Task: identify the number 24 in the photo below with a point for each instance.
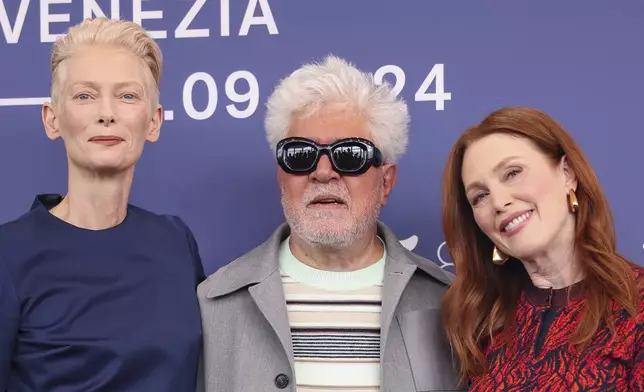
(436, 76)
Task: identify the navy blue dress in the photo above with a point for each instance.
(107, 310)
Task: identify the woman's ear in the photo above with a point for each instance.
(570, 176)
(50, 121)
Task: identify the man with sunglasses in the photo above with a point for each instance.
(331, 301)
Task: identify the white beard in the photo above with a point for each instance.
(328, 228)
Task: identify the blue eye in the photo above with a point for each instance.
(82, 96)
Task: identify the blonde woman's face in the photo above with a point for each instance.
(103, 114)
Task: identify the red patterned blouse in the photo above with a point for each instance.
(541, 360)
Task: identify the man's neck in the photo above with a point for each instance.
(359, 254)
(95, 201)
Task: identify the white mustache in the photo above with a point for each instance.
(326, 190)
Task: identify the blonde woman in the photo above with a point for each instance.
(97, 294)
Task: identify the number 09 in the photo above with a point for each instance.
(251, 95)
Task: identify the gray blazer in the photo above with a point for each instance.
(247, 338)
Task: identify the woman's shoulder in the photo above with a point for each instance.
(158, 221)
(638, 275)
(638, 272)
(638, 326)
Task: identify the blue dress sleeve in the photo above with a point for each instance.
(9, 317)
(194, 250)
(196, 257)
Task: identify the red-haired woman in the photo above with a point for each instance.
(541, 301)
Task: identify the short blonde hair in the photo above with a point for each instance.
(110, 32)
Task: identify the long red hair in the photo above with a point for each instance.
(483, 296)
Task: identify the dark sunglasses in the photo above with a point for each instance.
(351, 156)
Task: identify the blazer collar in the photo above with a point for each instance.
(261, 262)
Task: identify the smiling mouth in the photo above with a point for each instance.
(516, 222)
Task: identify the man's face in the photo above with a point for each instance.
(325, 207)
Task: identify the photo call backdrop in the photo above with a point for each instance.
(580, 61)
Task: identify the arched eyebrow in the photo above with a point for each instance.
(496, 168)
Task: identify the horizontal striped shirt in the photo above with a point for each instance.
(335, 325)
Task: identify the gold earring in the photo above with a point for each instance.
(573, 204)
(498, 257)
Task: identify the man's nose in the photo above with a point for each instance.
(324, 170)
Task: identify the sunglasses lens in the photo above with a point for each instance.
(350, 157)
(299, 156)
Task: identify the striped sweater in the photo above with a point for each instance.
(335, 325)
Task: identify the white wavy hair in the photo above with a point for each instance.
(338, 82)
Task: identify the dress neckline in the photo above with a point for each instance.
(553, 297)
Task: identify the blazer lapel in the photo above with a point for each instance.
(396, 277)
(258, 272)
(399, 268)
(269, 297)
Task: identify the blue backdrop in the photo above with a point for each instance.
(453, 61)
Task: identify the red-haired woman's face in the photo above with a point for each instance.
(518, 196)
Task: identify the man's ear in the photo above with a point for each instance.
(389, 180)
(50, 121)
